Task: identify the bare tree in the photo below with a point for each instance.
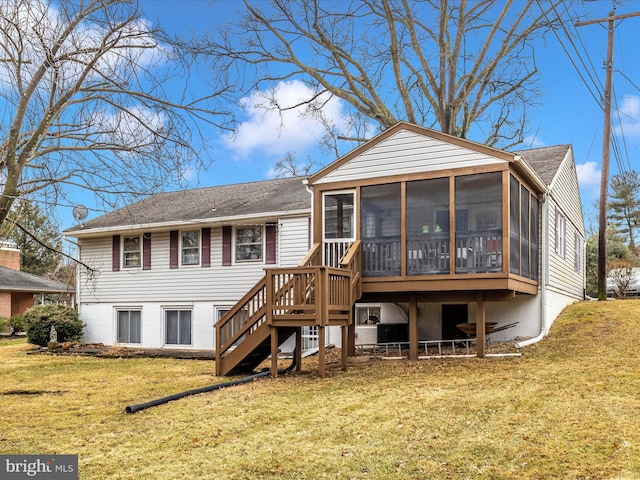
(463, 67)
(86, 102)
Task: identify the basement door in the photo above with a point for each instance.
(452, 315)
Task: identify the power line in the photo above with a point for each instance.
(606, 149)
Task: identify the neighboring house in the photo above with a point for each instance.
(18, 290)
(428, 231)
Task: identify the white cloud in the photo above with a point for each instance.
(589, 178)
(533, 141)
(629, 117)
(273, 132)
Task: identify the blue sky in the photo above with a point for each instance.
(567, 112)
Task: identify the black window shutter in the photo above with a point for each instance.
(146, 251)
(206, 247)
(115, 254)
(270, 240)
(173, 249)
(226, 245)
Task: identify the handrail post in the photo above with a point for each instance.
(268, 275)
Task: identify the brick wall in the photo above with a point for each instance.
(10, 258)
(5, 304)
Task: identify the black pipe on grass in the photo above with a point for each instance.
(210, 388)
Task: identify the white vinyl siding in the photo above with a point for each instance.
(404, 153)
(563, 277)
(161, 284)
(293, 241)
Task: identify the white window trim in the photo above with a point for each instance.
(355, 216)
(577, 254)
(125, 308)
(362, 307)
(561, 234)
(124, 262)
(216, 312)
(181, 250)
(164, 326)
(235, 240)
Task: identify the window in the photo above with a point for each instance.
(478, 223)
(524, 230)
(191, 247)
(177, 327)
(577, 252)
(381, 247)
(427, 227)
(221, 312)
(129, 326)
(561, 226)
(367, 315)
(339, 218)
(249, 244)
(131, 257)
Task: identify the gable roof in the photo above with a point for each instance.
(410, 148)
(546, 161)
(205, 205)
(15, 281)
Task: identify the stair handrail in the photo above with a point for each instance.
(352, 261)
(260, 286)
(313, 256)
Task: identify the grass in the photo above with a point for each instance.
(568, 408)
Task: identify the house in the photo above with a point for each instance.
(402, 240)
(18, 290)
(166, 268)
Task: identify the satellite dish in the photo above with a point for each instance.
(80, 212)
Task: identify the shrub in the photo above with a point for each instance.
(16, 322)
(4, 323)
(39, 320)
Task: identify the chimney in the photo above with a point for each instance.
(9, 255)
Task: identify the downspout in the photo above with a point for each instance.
(544, 273)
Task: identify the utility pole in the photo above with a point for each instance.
(606, 150)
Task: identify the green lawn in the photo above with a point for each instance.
(568, 408)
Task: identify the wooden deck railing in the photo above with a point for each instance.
(308, 295)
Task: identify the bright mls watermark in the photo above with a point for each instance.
(45, 467)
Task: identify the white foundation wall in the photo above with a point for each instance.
(556, 302)
(100, 323)
(523, 309)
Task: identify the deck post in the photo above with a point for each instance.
(321, 351)
(413, 327)
(298, 352)
(345, 339)
(351, 333)
(274, 352)
(480, 326)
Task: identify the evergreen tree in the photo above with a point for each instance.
(618, 252)
(624, 204)
(35, 257)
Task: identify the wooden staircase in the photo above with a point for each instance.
(282, 302)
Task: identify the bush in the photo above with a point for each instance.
(39, 320)
(4, 323)
(16, 323)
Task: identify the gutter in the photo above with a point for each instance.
(228, 220)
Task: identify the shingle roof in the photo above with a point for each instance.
(15, 281)
(237, 200)
(545, 161)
